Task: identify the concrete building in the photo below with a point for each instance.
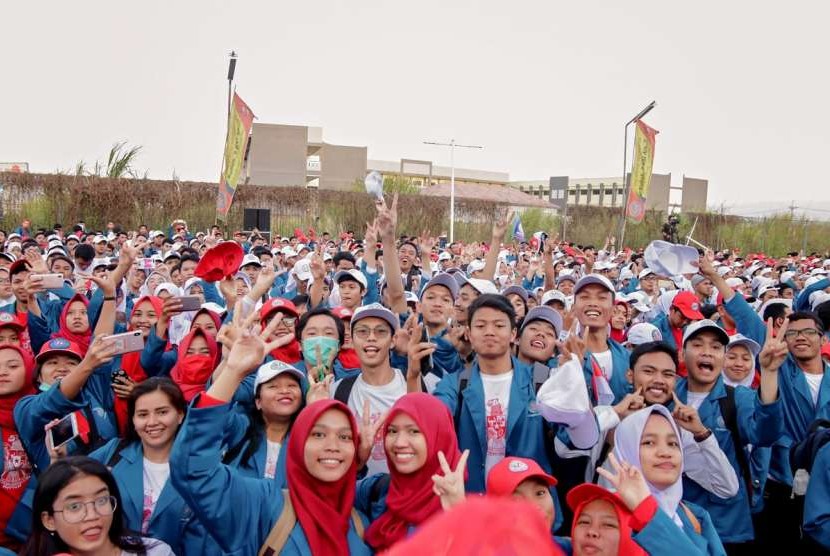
(424, 173)
(695, 193)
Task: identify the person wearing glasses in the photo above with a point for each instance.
(77, 510)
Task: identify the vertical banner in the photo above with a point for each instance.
(240, 121)
(644, 135)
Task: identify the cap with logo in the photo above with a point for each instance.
(443, 279)
(741, 340)
(378, 311)
(510, 472)
(277, 304)
(687, 303)
(597, 279)
(705, 325)
(643, 333)
(11, 321)
(274, 368)
(251, 259)
(58, 346)
(354, 275)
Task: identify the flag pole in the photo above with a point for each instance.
(231, 71)
(626, 185)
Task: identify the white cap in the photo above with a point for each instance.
(598, 279)
(705, 324)
(734, 282)
(642, 333)
(645, 272)
(475, 266)
(155, 233)
(482, 286)
(626, 274)
(352, 274)
(302, 270)
(817, 298)
(410, 297)
(787, 276)
(288, 252)
(273, 369)
(749, 343)
(250, 258)
(640, 301)
(817, 272)
(99, 239)
(327, 257)
(301, 246)
(554, 295)
(812, 280)
(444, 256)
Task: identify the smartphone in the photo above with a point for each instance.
(50, 281)
(190, 302)
(119, 374)
(65, 430)
(426, 362)
(127, 342)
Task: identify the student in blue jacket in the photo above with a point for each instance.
(140, 464)
(493, 415)
(757, 421)
(647, 466)
(817, 501)
(321, 470)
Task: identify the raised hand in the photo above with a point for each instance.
(247, 354)
(775, 349)
(99, 353)
(450, 486)
(36, 262)
(123, 386)
(574, 344)
(630, 403)
(317, 267)
(368, 432)
(106, 285)
(416, 351)
(501, 224)
(687, 417)
(627, 480)
(387, 219)
(318, 389)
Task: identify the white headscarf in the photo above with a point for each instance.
(627, 448)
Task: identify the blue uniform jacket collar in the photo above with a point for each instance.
(797, 379)
(131, 469)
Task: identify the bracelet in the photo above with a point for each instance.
(109, 298)
(702, 436)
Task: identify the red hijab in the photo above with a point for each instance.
(84, 338)
(192, 372)
(411, 500)
(131, 364)
(582, 495)
(323, 509)
(290, 353)
(8, 401)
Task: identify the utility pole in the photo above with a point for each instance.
(452, 145)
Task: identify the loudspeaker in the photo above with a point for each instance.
(256, 218)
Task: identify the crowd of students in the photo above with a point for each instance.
(324, 395)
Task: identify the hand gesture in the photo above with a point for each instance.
(574, 344)
(54, 453)
(228, 288)
(123, 386)
(371, 236)
(106, 285)
(450, 486)
(127, 255)
(500, 226)
(704, 265)
(100, 352)
(627, 480)
(630, 403)
(426, 243)
(264, 282)
(775, 349)
(318, 389)
(317, 267)
(457, 336)
(387, 219)
(36, 262)
(247, 354)
(403, 335)
(417, 350)
(368, 432)
(687, 417)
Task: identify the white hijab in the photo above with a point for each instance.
(627, 448)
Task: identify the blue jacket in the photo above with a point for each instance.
(19, 525)
(662, 324)
(802, 302)
(154, 360)
(620, 358)
(34, 412)
(526, 430)
(172, 520)
(758, 425)
(747, 320)
(207, 486)
(238, 442)
(817, 500)
(660, 535)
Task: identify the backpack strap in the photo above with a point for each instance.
(279, 533)
(116, 455)
(541, 372)
(357, 522)
(692, 518)
(729, 411)
(344, 389)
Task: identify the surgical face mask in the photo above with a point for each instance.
(319, 350)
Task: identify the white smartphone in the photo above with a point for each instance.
(64, 430)
(127, 342)
(50, 281)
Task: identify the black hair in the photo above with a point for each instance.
(492, 301)
(189, 254)
(85, 252)
(653, 347)
(261, 250)
(775, 311)
(708, 309)
(338, 323)
(161, 383)
(343, 256)
(50, 483)
(411, 244)
(823, 312)
(807, 315)
(61, 257)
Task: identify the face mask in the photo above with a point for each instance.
(43, 387)
(328, 348)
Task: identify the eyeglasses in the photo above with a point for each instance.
(363, 332)
(76, 512)
(808, 333)
(286, 320)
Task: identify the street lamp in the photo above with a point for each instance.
(626, 185)
(452, 145)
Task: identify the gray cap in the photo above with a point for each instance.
(378, 311)
(443, 279)
(597, 279)
(703, 325)
(741, 340)
(518, 290)
(544, 313)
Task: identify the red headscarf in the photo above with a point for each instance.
(131, 364)
(191, 372)
(216, 320)
(8, 401)
(84, 338)
(323, 509)
(290, 353)
(411, 500)
(584, 494)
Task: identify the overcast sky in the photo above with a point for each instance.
(742, 87)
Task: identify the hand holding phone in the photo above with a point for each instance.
(62, 432)
(127, 342)
(49, 281)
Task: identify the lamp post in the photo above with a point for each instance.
(626, 185)
(452, 145)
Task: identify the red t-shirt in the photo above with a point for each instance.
(678, 340)
(13, 480)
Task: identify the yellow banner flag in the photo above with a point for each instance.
(641, 171)
(240, 121)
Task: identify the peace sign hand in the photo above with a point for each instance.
(368, 432)
(574, 344)
(687, 417)
(318, 389)
(627, 480)
(775, 349)
(449, 487)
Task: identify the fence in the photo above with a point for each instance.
(50, 198)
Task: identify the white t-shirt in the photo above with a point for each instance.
(694, 399)
(496, 402)
(814, 382)
(155, 477)
(606, 362)
(381, 399)
(272, 455)
(153, 547)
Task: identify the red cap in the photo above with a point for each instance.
(688, 304)
(589, 491)
(10, 320)
(277, 304)
(510, 472)
(219, 262)
(342, 313)
(18, 266)
(825, 351)
(59, 346)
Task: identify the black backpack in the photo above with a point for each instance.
(729, 412)
(803, 454)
